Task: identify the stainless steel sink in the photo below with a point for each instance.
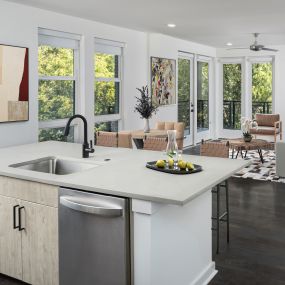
(55, 165)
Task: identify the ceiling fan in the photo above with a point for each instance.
(255, 46)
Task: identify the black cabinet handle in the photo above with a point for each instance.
(14, 216)
(20, 222)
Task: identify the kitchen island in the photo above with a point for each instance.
(171, 240)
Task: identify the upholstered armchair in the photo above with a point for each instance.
(178, 126)
(268, 125)
(109, 139)
(154, 143)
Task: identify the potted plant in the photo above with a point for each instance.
(246, 125)
(145, 106)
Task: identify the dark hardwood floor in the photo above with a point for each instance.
(256, 253)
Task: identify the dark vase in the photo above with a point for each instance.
(247, 138)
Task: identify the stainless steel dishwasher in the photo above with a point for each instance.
(94, 239)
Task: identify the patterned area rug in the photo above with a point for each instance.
(261, 171)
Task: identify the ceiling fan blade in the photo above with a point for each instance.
(237, 48)
(269, 49)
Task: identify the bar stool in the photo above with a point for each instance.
(218, 149)
(221, 217)
(108, 139)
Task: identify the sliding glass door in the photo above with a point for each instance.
(202, 96)
(232, 91)
(261, 87)
(194, 104)
(185, 95)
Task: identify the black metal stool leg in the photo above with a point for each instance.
(218, 219)
(227, 209)
(237, 154)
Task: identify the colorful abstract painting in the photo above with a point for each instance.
(163, 81)
(14, 84)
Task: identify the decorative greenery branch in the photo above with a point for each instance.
(145, 106)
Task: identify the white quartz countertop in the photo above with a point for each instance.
(124, 174)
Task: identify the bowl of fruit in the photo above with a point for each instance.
(170, 166)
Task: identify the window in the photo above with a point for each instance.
(202, 96)
(232, 90)
(261, 88)
(108, 85)
(111, 126)
(55, 134)
(184, 93)
(58, 66)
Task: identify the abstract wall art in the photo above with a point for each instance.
(14, 84)
(163, 81)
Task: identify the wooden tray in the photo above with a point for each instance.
(151, 165)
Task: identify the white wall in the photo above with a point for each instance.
(20, 28)
(168, 47)
(278, 85)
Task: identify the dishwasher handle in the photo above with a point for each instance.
(106, 210)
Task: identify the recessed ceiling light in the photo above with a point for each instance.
(171, 25)
(229, 44)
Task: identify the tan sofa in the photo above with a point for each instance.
(268, 125)
(114, 139)
(178, 126)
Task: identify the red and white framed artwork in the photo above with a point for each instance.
(14, 83)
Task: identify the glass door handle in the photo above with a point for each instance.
(85, 205)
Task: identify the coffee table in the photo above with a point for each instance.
(256, 144)
(139, 136)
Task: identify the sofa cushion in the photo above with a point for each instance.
(264, 131)
(169, 126)
(160, 125)
(179, 127)
(267, 120)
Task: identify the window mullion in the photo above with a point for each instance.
(55, 78)
(105, 79)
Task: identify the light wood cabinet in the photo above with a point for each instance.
(29, 253)
(10, 239)
(40, 244)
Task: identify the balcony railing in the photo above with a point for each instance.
(261, 107)
(202, 113)
(231, 112)
(184, 114)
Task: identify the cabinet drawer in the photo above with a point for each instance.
(30, 191)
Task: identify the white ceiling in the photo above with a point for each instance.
(211, 22)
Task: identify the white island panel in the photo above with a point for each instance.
(173, 244)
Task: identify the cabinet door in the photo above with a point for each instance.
(10, 239)
(40, 244)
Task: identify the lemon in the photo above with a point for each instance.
(170, 163)
(190, 166)
(182, 164)
(160, 163)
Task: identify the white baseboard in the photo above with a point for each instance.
(206, 275)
